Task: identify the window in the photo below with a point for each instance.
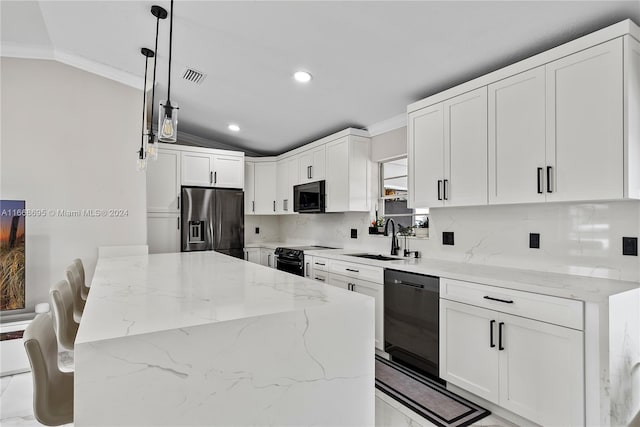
(393, 194)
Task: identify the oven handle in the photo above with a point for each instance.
(286, 261)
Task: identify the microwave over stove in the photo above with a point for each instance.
(309, 198)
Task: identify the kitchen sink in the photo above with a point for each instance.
(378, 257)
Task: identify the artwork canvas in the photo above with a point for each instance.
(12, 254)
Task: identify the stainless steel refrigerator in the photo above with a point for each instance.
(213, 219)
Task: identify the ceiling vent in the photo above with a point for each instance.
(193, 76)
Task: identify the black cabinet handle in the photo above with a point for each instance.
(311, 171)
(178, 202)
(178, 223)
(215, 177)
(491, 344)
(549, 186)
(319, 263)
(210, 177)
(499, 300)
(352, 270)
(539, 179)
(500, 325)
(253, 206)
(446, 189)
(319, 279)
(274, 205)
(439, 190)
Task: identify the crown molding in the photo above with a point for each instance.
(12, 50)
(388, 125)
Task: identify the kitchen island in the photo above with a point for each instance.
(202, 338)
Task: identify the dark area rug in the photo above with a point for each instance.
(425, 396)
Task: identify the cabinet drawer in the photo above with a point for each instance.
(559, 311)
(320, 264)
(360, 271)
(320, 276)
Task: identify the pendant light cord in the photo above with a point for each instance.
(153, 87)
(144, 104)
(170, 43)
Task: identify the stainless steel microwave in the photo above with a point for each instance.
(309, 198)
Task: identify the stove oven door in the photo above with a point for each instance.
(290, 265)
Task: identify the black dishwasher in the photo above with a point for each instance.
(411, 313)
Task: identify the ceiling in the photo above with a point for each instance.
(368, 59)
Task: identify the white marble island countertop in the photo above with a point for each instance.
(591, 289)
(202, 338)
(144, 294)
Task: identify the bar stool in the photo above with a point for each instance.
(52, 388)
(73, 278)
(80, 269)
(63, 310)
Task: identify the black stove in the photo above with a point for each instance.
(291, 259)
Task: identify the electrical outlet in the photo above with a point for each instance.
(630, 246)
(534, 240)
(447, 238)
(354, 233)
(257, 230)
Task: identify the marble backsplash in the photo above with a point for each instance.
(575, 238)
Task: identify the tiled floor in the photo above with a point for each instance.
(16, 408)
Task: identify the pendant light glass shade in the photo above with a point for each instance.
(168, 122)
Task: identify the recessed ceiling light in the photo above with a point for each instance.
(233, 127)
(302, 76)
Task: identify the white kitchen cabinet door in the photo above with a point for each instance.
(197, 169)
(282, 184)
(585, 125)
(163, 182)
(267, 257)
(252, 255)
(249, 189)
(468, 356)
(312, 165)
(347, 181)
(339, 281)
(163, 233)
(265, 188)
(541, 371)
(294, 174)
(308, 266)
(426, 156)
(337, 182)
(377, 292)
(517, 138)
(465, 155)
(228, 171)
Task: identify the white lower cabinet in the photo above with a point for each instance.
(252, 255)
(374, 290)
(163, 233)
(267, 257)
(530, 367)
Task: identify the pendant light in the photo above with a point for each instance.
(142, 158)
(168, 112)
(152, 146)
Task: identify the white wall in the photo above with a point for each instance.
(69, 141)
(389, 145)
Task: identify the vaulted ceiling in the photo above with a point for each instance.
(368, 59)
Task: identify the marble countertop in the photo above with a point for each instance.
(582, 288)
(143, 294)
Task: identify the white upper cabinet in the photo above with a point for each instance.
(426, 156)
(228, 171)
(448, 151)
(517, 138)
(197, 169)
(265, 188)
(213, 170)
(287, 177)
(585, 125)
(249, 188)
(563, 125)
(163, 182)
(348, 170)
(312, 165)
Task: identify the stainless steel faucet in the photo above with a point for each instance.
(394, 239)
